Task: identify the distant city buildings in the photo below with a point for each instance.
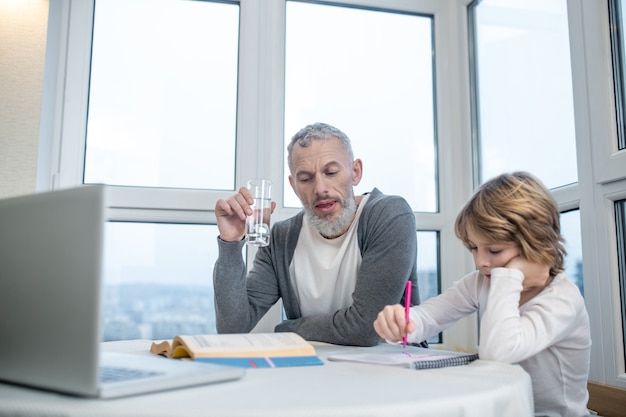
(159, 311)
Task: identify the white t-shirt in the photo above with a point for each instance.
(324, 271)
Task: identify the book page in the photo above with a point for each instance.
(248, 345)
(161, 348)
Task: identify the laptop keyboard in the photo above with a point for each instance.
(116, 374)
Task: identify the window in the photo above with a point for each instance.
(158, 280)
(179, 115)
(602, 177)
(161, 113)
(162, 94)
(470, 116)
(570, 229)
(618, 42)
(372, 77)
(428, 277)
(523, 104)
(620, 226)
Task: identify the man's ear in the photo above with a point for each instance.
(357, 171)
(293, 185)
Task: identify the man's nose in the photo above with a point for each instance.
(321, 185)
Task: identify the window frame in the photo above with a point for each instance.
(602, 169)
(602, 181)
(259, 122)
(601, 102)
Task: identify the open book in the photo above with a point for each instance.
(411, 357)
(249, 350)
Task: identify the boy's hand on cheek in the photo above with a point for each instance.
(535, 275)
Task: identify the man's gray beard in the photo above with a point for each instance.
(333, 229)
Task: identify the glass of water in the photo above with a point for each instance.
(258, 224)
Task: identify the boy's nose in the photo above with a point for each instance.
(481, 260)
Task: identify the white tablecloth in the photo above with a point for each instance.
(480, 389)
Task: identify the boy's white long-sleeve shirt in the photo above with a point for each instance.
(549, 336)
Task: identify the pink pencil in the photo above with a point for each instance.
(407, 306)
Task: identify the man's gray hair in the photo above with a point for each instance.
(319, 131)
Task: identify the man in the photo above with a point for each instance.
(335, 264)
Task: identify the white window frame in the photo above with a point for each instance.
(601, 167)
(259, 123)
(601, 181)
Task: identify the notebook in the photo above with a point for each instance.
(51, 256)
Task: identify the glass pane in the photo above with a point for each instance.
(372, 77)
(428, 264)
(523, 103)
(617, 16)
(162, 100)
(570, 229)
(428, 269)
(158, 280)
(620, 232)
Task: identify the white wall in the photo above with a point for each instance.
(23, 27)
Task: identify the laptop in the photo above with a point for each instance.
(51, 284)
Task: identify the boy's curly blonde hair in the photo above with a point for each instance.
(516, 208)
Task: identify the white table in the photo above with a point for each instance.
(481, 389)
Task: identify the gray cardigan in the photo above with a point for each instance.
(388, 244)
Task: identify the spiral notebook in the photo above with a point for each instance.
(409, 357)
